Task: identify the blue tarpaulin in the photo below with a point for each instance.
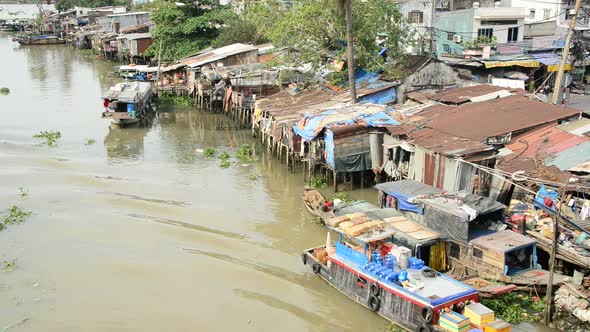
(544, 193)
(378, 119)
(382, 97)
(308, 131)
(329, 147)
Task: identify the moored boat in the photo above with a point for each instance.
(39, 40)
(127, 103)
(313, 200)
(413, 297)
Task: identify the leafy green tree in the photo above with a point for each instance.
(314, 29)
(238, 30)
(187, 28)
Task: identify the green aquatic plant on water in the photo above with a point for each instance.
(168, 98)
(50, 137)
(245, 152)
(225, 163)
(224, 155)
(15, 215)
(4, 91)
(516, 307)
(253, 177)
(90, 141)
(9, 265)
(209, 152)
(343, 196)
(23, 192)
(317, 182)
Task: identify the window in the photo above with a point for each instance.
(489, 32)
(477, 253)
(532, 13)
(513, 35)
(546, 14)
(450, 36)
(499, 22)
(446, 48)
(454, 250)
(415, 16)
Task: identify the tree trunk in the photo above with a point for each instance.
(350, 50)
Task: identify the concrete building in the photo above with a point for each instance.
(115, 22)
(457, 29)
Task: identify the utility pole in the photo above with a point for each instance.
(350, 50)
(553, 254)
(565, 53)
(432, 28)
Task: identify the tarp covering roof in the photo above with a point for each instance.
(369, 115)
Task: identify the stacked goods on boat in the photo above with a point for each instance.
(313, 199)
(454, 322)
(497, 326)
(356, 224)
(478, 314)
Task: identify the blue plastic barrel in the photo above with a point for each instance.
(130, 108)
(403, 276)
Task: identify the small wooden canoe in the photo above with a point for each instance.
(313, 201)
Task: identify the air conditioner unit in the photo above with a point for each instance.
(456, 38)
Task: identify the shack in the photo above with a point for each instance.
(114, 23)
(459, 217)
(133, 45)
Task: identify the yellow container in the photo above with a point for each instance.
(497, 326)
(478, 314)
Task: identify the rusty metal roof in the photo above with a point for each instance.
(462, 95)
(477, 121)
(544, 142)
(446, 144)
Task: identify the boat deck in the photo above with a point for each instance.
(436, 290)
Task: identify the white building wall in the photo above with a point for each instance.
(536, 10)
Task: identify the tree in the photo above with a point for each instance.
(184, 28)
(315, 30)
(238, 30)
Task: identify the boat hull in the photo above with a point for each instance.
(396, 308)
(41, 41)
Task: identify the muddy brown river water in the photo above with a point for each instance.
(138, 231)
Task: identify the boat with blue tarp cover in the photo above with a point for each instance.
(379, 275)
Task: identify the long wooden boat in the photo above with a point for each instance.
(313, 201)
(127, 103)
(415, 305)
(39, 40)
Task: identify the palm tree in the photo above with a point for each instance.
(345, 7)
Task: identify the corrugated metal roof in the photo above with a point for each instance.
(579, 127)
(218, 54)
(571, 158)
(409, 188)
(477, 121)
(133, 36)
(503, 241)
(544, 142)
(444, 143)
(461, 95)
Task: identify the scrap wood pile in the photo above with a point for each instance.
(356, 224)
(572, 306)
(540, 225)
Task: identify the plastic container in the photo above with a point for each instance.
(403, 276)
(389, 261)
(403, 261)
(415, 263)
(391, 276)
(130, 108)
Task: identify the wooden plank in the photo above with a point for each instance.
(423, 234)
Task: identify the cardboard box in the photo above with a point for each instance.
(479, 314)
(497, 326)
(454, 322)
